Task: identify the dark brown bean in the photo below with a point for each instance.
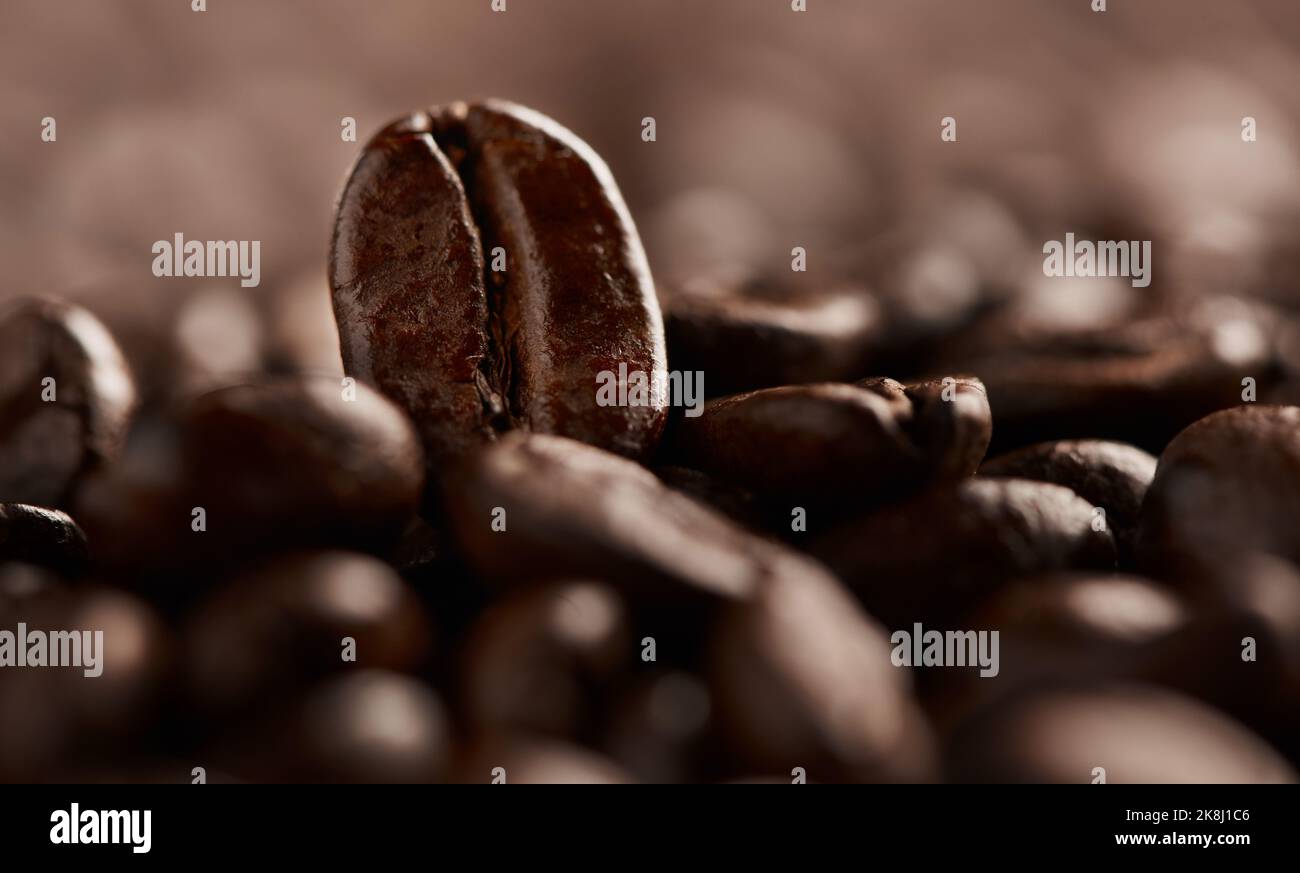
(1134, 733)
(1230, 483)
(520, 759)
(371, 726)
(538, 659)
(274, 464)
(937, 555)
(856, 443)
(48, 714)
(573, 511)
(760, 333)
(468, 350)
(803, 679)
(1111, 476)
(660, 727)
(283, 623)
(41, 536)
(66, 397)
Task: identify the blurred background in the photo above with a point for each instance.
(775, 129)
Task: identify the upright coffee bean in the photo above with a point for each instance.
(485, 272)
(66, 398)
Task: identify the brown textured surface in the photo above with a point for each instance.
(469, 352)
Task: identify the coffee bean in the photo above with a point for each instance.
(802, 679)
(470, 350)
(1139, 380)
(1110, 476)
(520, 759)
(539, 660)
(660, 728)
(272, 465)
(745, 334)
(1134, 733)
(370, 726)
(1229, 483)
(856, 443)
(282, 624)
(48, 715)
(41, 536)
(1083, 627)
(934, 557)
(564, 509)
(66, 397)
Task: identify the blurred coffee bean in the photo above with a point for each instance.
(658, 728)
(1110, 476)
(274, 464)
(748, 333)
(934, 557)
(371, 726)
(66, 398)
(1230, 483)
(735, 502)
(544, 507)
(538, 660)
(855, 443)
(302, 334)
(1074, 626)
(283, 623)
(218, 337)
(1138, 379)
(41, 536)
(1134, 733)
(520, 759)
(48, 714)
(802, 678)
(469, 346)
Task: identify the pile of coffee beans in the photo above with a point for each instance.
(923, 524)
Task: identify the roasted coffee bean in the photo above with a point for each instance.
(272, 465)
(660, 728)
(371, 726)
(472, 342)
(1122, 733)
(934, 557)
(539, 659)
(284, 622)
(1110, 476)
(745, 334)
(852, 442)
(738, 504)
(49, 714)
(1081, 627)
(41, 536)
(521, 759)
(802, 678)
(537, 506)
(1229, 483)
(66, 397)
(1140, 380)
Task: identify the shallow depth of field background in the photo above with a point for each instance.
(775, 129)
